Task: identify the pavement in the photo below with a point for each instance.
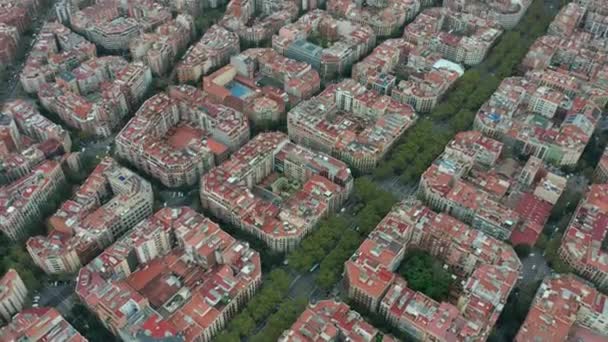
(534, 268)
(395, 187)
(12, 87)
(61, 297)
(304, 285)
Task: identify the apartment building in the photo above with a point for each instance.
(109, 203)
(176, 275)
(255, 21)
(179, 135)
(12, 294)
(276, 190)
(385, 17)
(21, 201)
(565, 307)
(581, 246)
(303, 41)
(212, 51)
(40, 324)
(485, 270)
(332, 320)
(351, 123)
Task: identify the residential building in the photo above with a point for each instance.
(160, 48)
(33, 124)
(9, 42)
(459, 37)
(120, 89)
(113, 24)
(485, 270)
(179, 135)
(499, 196)
(27, 139)
(262, 84)
(541, 115)
(425, 75)
(276, 190)
(176, 275)
(566, 308)
(385, 17)
(329, 45)
(109, 203)
(12, 294)
(40, 324)
(212, 51)
(596, 17)
(255, 21)
(351, 123)
(506, 12)
(329, 320)
(22, 200)
(601, 171)
(583, 243)
(56, 49)
(573, 46)
(15, 19)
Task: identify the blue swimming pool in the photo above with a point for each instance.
(238, 90)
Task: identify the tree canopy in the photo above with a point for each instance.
(426, 274)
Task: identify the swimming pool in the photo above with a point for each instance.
(238, 90)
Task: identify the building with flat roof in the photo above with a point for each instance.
(22, 200)
(40, 324)
(572, 45)
(15, 19)
(601, 170)
(408, 73)
(120, 87)
(113, 24)
(27, 138)
(12, 294)
(109, 203)
(276, 190)
(502, 197)
(485, 270)
(179, 135)
(459, 37)
(385, 17)
(506, 12)
(255, 21)
(566, 308)
(56, 49)
(176, 275)
(554, 109)
(262, 84)
(329, 45)
(329, 320)
(545, 114)
(210, 52)
(351, 123)
(583, 243)
(159, 49)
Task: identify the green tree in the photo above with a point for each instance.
(425, 274)
(523, 250)
(88, 325)
(243, 324)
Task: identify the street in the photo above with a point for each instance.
(60, 296)
(13, 86)
(534, 268)
(395, 187)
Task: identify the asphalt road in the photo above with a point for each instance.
(13, 87)
(60, 297)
